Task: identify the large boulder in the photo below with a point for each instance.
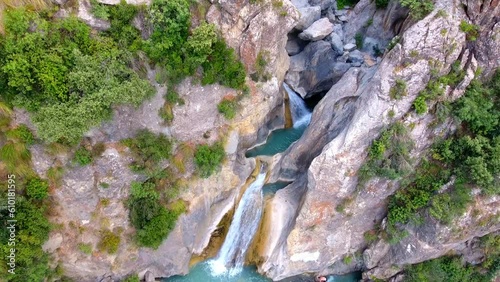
(314, 70)
(318, 30)
(308, 15)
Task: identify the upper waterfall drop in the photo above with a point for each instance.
(245, 222)
(301, 115)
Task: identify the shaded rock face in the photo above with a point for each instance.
(331, 156)
(314, 70)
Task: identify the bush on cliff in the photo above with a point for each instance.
(208, 158)
(153, 222)
(66, 76)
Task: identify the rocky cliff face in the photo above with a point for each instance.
(302, 229)
(85, 205)
(344, 124)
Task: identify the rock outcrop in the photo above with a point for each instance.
(335, 145)
(315, 70)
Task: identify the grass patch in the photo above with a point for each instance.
(399, 90)
(85, 248)
(109, 241)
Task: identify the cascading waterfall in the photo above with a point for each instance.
(301, 115)
(245, 222)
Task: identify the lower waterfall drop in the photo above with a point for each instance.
(245, 222)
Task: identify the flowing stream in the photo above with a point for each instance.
(228, 265)
(279, 140)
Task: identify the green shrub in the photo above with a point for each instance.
(393, 42)
(442, 269)
(342, 3)
(381, 4)
(200, 44)
(67, 78)
(208, 158)
(108, 242)
(359, 40)
(223, 67)
(347, 259)
(148, 149)
(85, 248)
(389, 155)
(37, 189)
(99, 10)
(83, 156)
(32, 229)
(398, 90)
(479, 108)
(418, 8)
(152, 221)
(122, 30)
(131, 278)
(420, 105)
(471, 30)
(228, 107)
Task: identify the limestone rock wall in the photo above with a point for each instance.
(330, 156)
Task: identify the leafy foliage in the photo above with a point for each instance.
(148, 149)
(359, 40)
(21, 133)
(389, 155)
(32, 230)
(67, 77)
(208, 158)
(37, 189)
(83, 156)
(381, 4)
(471, 30)
(182, 54)
(122, 30)
(228, 107)
(418, 8)
(152, 220)
(223, 67)
(85, 248)
(342, 3)
(420, 105)
(472, 156)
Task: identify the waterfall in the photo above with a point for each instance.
(301, 116)
(245, 222)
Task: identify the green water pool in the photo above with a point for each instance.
(278, 141)
(202, 272)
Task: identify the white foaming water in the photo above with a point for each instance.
(301, 116)
(246, 219)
